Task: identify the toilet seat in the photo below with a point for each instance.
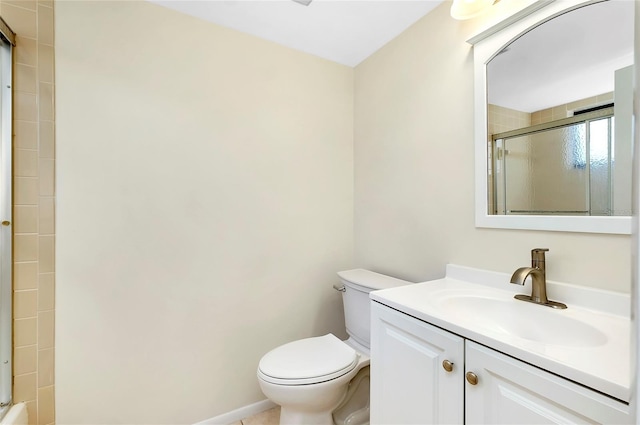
(308, 361)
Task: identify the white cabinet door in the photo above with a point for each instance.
(513, 392)
(409, 384)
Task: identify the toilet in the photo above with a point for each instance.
(324, 380)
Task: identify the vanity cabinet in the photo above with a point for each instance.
(411, 382)
(509, 391)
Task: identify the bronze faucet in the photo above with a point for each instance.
(538, 280)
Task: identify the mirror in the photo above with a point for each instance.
(553, 118)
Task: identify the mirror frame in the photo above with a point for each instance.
(486, 45)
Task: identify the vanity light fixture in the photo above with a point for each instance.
(467, 9)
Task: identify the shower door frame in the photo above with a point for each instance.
(6, 227)
(498, 159)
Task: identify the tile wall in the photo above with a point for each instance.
(502, 119)
(34, 200)
(566, 110)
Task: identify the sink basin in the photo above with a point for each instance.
(522, 320)
(587, 343)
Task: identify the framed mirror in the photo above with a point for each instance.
(553, 121)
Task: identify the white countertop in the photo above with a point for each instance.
(604, 366)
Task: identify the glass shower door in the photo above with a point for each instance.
(563, 167)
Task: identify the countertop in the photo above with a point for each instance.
(604, 366)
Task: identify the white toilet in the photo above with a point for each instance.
(323, 380)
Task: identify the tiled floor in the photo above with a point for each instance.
(268, 417)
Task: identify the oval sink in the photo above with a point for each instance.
(523, 320)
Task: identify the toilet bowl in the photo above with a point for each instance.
(324, 380)
(309, 378)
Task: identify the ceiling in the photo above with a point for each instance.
(571, 57)
(343, 31)
(349, 31)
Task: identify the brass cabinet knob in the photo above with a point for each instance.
(472, 378)
(5, 222)
(447, 365)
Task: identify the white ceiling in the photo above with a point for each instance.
(569, 58)
(343, 31)
(349, 31)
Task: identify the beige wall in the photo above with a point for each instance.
(205, 204)
(414, 170)
(206, 200)
(33, 212)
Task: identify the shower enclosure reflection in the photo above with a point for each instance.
(564, 167)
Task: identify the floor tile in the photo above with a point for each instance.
(268, 417)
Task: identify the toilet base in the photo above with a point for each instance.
(308, 404)
(354, 410)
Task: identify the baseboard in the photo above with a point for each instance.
(239, 414)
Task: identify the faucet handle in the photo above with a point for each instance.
(537, 258)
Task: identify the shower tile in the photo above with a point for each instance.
(546, 114)
(45, 63)
(536, 118)
(25, 332)
(559, 112)
(46, 219)
(21, 20)
(26, 51)
(25, 163)
(46, 171)
(45, 25)
(606, 97)
(46, 293)
(25, 360)
(25, 275)
(26, 4)
(25, 219)
(24, 387)
(46, 254)
(45, 101)
(45, 367)
(25, 304)
(579, 104)
(45, 329)
(45, 405)
(47, 145)
(24, 78)
(25, 106)
(33, 191)
(32, 412)
(25, 134)
(590, 101)
(25, 247)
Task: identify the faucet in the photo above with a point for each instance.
(537, 272)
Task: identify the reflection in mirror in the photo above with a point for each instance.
(558, 116)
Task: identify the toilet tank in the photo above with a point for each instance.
(357, 309)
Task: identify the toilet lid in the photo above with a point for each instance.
(309, 360)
